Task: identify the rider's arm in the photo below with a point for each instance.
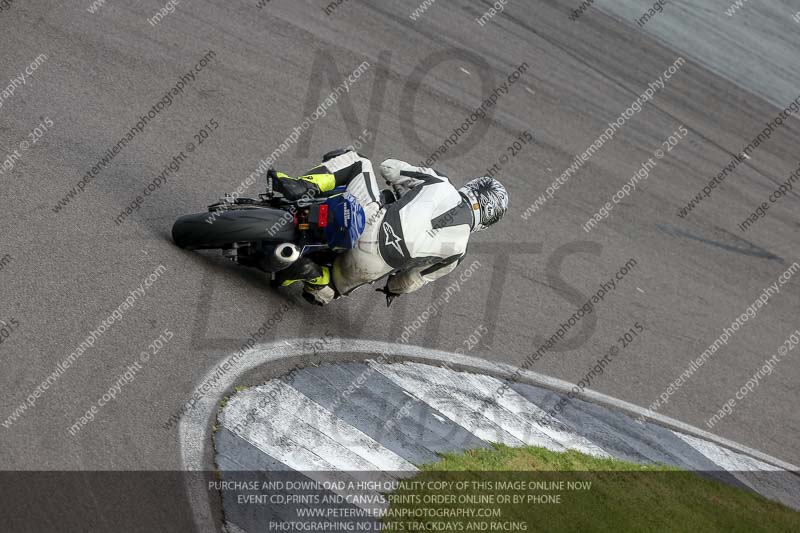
(416, 278)
(403, 177)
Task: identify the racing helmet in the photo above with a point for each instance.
(488, 199)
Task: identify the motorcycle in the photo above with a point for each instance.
(272, 232)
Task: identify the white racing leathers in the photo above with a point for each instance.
(417, 239)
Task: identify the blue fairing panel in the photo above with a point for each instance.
(346, 221)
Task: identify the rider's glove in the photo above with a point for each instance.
(391, 171)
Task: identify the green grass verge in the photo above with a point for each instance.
(622, 497)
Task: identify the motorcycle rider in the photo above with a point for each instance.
(416, 239)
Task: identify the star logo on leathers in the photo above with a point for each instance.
(392, 238)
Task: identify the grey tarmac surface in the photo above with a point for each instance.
(69, 270)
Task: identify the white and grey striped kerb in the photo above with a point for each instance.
(406, 413)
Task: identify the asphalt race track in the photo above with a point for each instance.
(247, 76)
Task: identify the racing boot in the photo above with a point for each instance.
(320, 291)
(309, 185)
(304, 269)
(317, 285)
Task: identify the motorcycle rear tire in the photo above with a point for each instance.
(205, 231)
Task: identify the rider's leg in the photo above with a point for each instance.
(340, 167)
(362, 264)
(351, 169)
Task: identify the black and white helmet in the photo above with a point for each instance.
(488, 199)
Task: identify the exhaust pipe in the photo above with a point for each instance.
(284, 256)
(273, 258)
